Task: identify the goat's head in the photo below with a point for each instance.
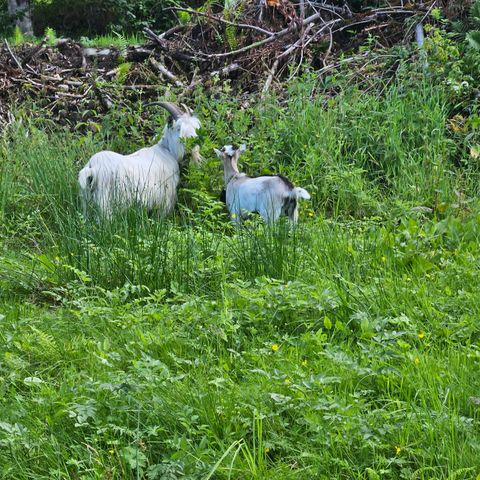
(229, 154)
(184, 124)
(181, 125)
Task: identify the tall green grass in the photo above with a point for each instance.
(359, 155)
(355, 152)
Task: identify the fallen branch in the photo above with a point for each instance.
(270, 77)
(328, 68)
(222, 20)
(165, 72)
(331, 8)
(270, 39)
(163, 44)
(36, 51)
(74, 95)
(153, 36)
(225, 71)
(15, 59)
(329, 49)
(298, 43)
(427, 13)
(168, 33)
(378, 13)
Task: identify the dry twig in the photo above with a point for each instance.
(270, 39)
(165, 72)
(15, 59)
(222, 20)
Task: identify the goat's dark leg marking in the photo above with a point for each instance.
(289, 206)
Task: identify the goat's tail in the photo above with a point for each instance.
(298, 192)
(86, 179)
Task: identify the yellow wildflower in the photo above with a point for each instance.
(304, 363)
(397, 450)
(421, 335)
(275, 347)
(416, 360)
(234, 216)
(111, 451)
(383, 259)
(287, 381)
(267, 450)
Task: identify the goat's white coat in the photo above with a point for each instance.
(148, 177)
(270, 196)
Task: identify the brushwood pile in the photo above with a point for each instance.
(254, 47)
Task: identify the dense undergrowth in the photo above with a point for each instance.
(183, 348)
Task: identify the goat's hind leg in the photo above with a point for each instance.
(290, 209)
(270, 213)
(293, 215)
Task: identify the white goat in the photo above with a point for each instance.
(148, 177)
(270, 196)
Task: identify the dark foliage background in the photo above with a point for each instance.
(93, 17)
(5, 21)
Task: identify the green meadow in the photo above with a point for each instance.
(184, 348)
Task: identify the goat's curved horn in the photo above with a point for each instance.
(170, 107)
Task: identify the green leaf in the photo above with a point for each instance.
(473, 39)
(475, 12)
(184, 17)
(436, 14)
(133, 457)
(327, 322)
(372, 474)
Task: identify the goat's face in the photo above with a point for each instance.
(229, 154)
(181, 123)
(177, 130)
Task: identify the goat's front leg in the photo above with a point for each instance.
(236, 218)
(83, 203)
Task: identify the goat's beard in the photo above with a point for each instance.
(188, 126)
(195, 155)
(192, 150)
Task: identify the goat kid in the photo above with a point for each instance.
(270, 196)
(148, 177)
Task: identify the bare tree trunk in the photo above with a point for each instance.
(20, 9)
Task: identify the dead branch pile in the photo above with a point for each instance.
(255, 46)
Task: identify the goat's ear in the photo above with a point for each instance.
(218, 152)
(236, 155)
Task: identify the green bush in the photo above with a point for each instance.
(95, 17)
(5, 19)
